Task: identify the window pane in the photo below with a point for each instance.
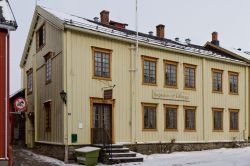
(171, 74)
(233, 81)
(149, 117)
(190, 119)
(102, 64)
(189, 77)
(234, 121)
(217, 81)
(218, 120)
(149, 74)
(171, 118)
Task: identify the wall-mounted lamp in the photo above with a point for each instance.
(63, 96)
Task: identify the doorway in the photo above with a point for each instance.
(102, 126)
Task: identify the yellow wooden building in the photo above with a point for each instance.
(167, 91)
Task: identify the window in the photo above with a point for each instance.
(149, 70)
(234, 119)
(217, 80)
(233, 82)
(29, 81)
(48, 67)
(170, 74)
(47, 107)
(217, 119)
(189, 76)
(149, 117)
(190, 118)
(171, 117)
(40, 37)
(102, 63)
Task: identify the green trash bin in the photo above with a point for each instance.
(87, 155)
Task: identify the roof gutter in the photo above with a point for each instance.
(150, 45)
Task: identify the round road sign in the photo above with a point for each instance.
(20, 104)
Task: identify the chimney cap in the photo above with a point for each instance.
(160, 25)
(150, 33)
(177, 39)
(188, 41)
(96, 19)
(104, 11)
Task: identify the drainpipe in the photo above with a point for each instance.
(203, 96)
(66, 153)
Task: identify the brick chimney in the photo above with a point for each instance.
(215, 40)
(160, 31)
(104, 17)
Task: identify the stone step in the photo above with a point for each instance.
(129, 154)
(116, 150)
(125, 159)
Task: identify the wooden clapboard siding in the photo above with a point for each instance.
(42, 92)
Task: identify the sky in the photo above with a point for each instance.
(194, 19)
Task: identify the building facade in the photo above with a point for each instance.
(168, 91)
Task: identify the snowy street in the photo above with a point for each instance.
(218, 157)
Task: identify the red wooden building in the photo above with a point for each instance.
(7, 23)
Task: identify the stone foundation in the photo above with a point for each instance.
(58, 151)
(152, 148)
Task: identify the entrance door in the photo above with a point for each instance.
(102, 124)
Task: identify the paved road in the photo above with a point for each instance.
(22, 157)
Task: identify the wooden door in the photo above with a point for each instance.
(102, 124)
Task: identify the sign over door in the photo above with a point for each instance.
(108, 94)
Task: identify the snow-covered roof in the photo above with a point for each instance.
(242, 53)
(81, 22)
(7, 19)
(70, 20)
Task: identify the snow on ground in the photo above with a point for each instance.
(218, 157)
(46, 159)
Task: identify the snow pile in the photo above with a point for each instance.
(218, 157)
(46, 159)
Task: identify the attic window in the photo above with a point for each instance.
(40, 37)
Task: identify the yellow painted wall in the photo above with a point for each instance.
(80, 87)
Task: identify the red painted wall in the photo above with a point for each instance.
(3, 56)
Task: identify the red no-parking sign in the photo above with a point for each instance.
(20, 104)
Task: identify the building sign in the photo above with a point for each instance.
(108, 94)
(171, 95)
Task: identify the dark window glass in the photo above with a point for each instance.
(189, 77)
(190, 119)
(233, 81)
(47, 116)
(171, 75)
(234, 117)
(218, 120)
(102, 64)
(149, 117)
(217, 81)
(30, 81)
(149, 71)
(48, 69)
(40, 35)
(171, 118)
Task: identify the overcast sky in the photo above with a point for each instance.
(194, 19)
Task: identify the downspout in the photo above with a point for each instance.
(203, 96)
(66, 157)
(246, 91)
(135, 68)
(6, 96)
